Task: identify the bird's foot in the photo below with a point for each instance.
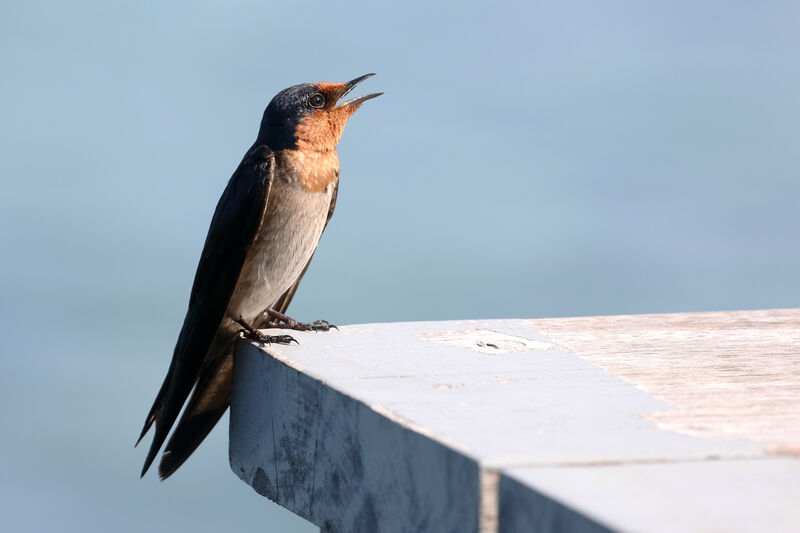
(249, 332)
(290, 323)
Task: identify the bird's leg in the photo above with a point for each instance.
(249, 332)
(290, 323)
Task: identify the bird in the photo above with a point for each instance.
(262, 237)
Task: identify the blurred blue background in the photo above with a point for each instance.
(527, 160)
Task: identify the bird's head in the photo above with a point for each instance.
(310, 116)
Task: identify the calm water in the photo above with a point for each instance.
(526, 161)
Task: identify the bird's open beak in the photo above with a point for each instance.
(349, 86)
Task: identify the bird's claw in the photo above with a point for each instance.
(322, 325)
(281, 339)
(281, 321)
(249, 332)
(267, 339)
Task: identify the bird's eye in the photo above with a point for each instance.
(316, 100)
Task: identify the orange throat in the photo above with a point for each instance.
(315, 160)
(315, 170)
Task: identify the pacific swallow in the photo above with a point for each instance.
(265, 229)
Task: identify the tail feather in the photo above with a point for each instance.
(164, 416)
(209, 401)
(157, 409)
(181, 378)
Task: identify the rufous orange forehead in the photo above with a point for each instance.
(332, 91)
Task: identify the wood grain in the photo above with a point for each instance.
(732, 375)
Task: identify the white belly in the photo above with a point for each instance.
(292, 226)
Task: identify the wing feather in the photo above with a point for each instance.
(234, 226)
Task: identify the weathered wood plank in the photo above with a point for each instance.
(744, 496)
(475, 425)
(729, 375)
(339, 463)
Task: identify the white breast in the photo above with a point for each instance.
(289, 234)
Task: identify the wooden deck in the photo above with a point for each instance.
(680, 422)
